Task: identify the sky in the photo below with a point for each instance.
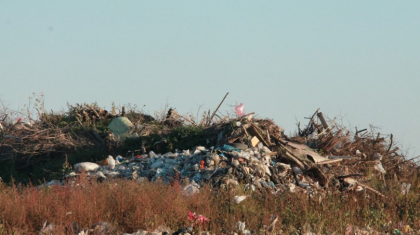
(358, 61)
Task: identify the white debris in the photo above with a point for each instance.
(86, 166)
(111, 162)
(380, 168)
(239, 199)
(190, 189)
(405, 188)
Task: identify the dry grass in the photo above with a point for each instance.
(131, 206)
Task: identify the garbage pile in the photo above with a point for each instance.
(256, 153)
(245, 151)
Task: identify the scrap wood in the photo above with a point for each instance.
(232, 140)
(247, 116)
(329, 141)
(390, 144)
(309, 129)
(254, 131)
(329, 161)
(246, 132)
(299, 150)
(323, 122)
(271, 154)
(287, 152)
(315, 157)
(370, 189)
(96, 113)
(268, 136)
(279, 141)
(215, 111)
(304, 150)
(372, 163)
(185, 118)
(78, 120)
(357, 132)
(294, 159)
(329, 128)
(342, 157)
(296, 153)
(269, 128)
(350, 175)
(394, 150)
(267, 132)
(319, 175)
(304, 156)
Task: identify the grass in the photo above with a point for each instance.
(131, 206)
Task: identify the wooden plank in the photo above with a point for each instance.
(254, 131)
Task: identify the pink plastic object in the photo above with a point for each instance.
(197, 219)
(240, 110)
(201, 219)
(191, 216)
(22, 119)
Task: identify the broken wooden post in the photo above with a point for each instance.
(217, 109)
(322, 119)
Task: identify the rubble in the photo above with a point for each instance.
(257, 155)
(245, 151)
(265, 159)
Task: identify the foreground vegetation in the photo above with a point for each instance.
(130, 206)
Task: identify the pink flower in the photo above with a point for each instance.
(191, 216)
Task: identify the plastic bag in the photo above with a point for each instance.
(197, 219)
(240, 110)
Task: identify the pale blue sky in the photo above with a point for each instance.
(282, 59)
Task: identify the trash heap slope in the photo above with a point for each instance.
(255, 153)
